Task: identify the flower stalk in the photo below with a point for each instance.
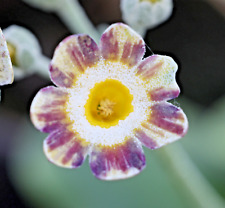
(75, 18)
(183, 171)
(71, 13)
(42, 66)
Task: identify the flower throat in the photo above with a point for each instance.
(108, 103)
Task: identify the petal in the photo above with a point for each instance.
(159, 72)
(48, 109)
(6, 70)
(120, 43)
(65, 149)
(71, 58)
(117, 162)
(167, 123)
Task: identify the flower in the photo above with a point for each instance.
(108, 103)
(142, 15)
(25, 52)
(6, 70)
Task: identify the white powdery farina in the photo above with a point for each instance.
(80, 94)
(6, 70)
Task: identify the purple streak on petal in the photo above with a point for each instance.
(121, 157)
(75, 153)
(51, 116)
(61, 79)
(51, 112)
(63, 148)
(126, 51)
(79, 161)
(163, 116)
(132, 54)
(84, 53)
(146, 140)
(50, 127)
(166, 110)
(109, 46)
(52, 119)
(56, 103)
(58, 138)
(137, 53)
(89, 50)
(162, 94)
(53, 90)
(76, 56)
(135, 157)
(169, 126)
(98, 166)
(148, 68)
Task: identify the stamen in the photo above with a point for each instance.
(105, 108)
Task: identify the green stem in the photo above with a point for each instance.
(76, 19)
(42, 66)
(189, 178)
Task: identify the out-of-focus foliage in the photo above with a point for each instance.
(206, 142)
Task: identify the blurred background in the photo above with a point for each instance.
(194, 36)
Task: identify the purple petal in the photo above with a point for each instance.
(117, 162)
(71, 58)
(65, 149)
(120, 43)
(167, 123)
(48, 109)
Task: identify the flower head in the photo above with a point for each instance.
(108, 103)
(25, 52)
(6, 70)
(142, 15)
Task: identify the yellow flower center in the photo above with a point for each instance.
(108, 103)
(12, 53)
(153, 1)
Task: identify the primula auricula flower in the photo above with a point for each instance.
(6, 70)
(25, 52)
(142, 15)
(108, 103)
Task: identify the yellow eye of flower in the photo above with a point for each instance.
(108, 103)
(153, 1)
